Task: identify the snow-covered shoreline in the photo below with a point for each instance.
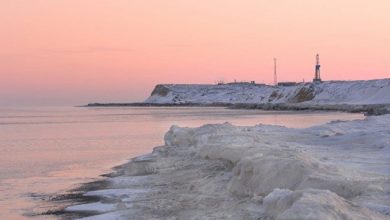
(340, 170)
(365, 96)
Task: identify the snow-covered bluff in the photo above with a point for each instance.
(340, 170)
(330, 92)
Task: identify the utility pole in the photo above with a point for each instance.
(275, 76)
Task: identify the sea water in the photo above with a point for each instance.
(46, 151)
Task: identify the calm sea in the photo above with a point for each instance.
(45, 151)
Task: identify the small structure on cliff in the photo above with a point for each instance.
(287, 83)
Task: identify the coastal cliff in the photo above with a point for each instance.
(366, 92)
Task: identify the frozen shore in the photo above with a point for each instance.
(368, 96)
(340, 170)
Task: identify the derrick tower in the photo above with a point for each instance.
(317, 75)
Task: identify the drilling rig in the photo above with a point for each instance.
(317, 76)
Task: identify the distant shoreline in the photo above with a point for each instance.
(367, 96)
(143, 104)
(368, 109)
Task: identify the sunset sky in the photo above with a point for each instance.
(68, 52)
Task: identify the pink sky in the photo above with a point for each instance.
(79, 51)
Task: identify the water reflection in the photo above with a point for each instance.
(50, 150)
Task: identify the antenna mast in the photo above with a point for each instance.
(275, 76)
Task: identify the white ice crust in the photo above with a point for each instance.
(340, 170)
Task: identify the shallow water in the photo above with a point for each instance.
(46, 151)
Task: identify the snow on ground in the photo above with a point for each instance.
(340, 170)
(330, 92)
